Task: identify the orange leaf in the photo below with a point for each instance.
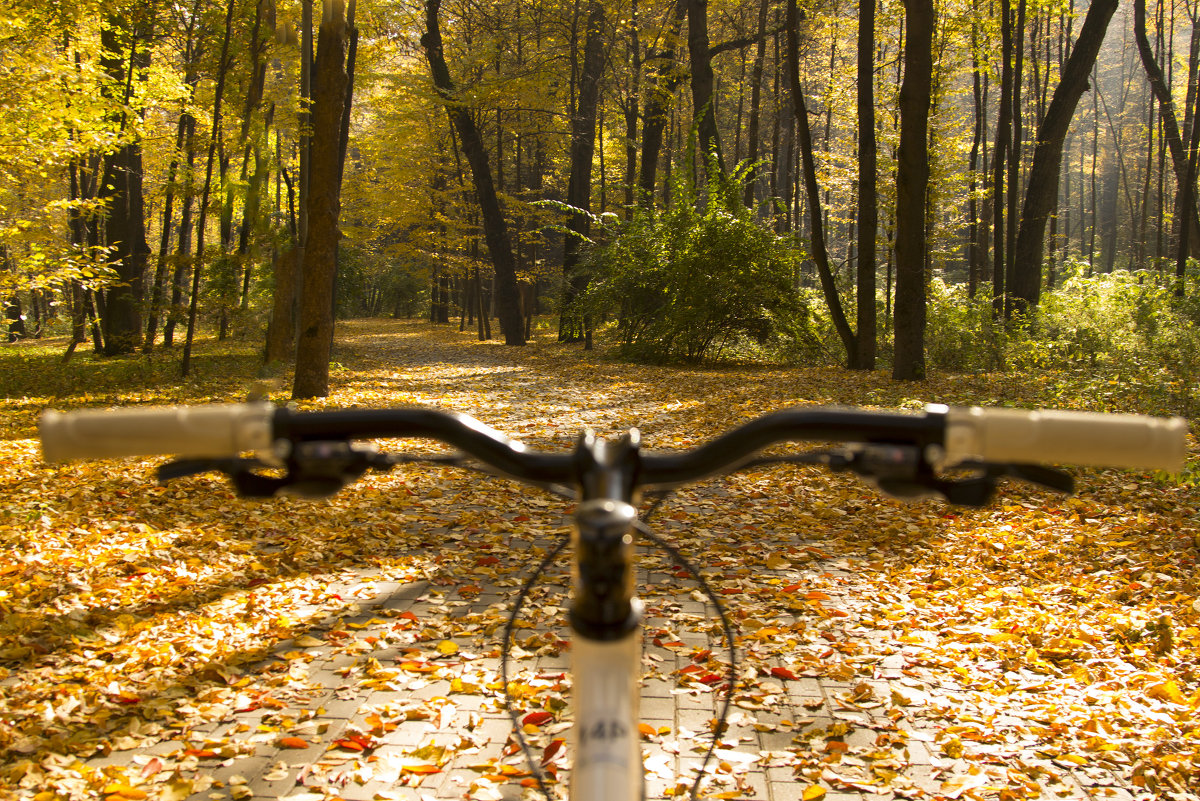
(294, 742)
(421, 769)
(784, 673)
(201, 753)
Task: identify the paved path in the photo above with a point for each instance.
(360, 678)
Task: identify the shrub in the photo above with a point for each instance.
(690, 281)
(1136, 341)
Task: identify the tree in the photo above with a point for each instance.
(198, 267)
(508, 301)
(808, 165)
(126, 54)
(1169, 121)
(912, 180)
(324, 205)
(703, 98)
(583, 149)
(868, 218)
(1042, 189)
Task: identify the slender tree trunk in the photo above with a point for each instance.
(661, 82)
(1170, 123)
(1013, 186)
(868, 216)
(579, 186)
(808, 164)
(752, 135)
(999, 156)
(198, 267)
(912, 180)
(1187, 195)
(163, 267)
(494, 225)
(183, 248)
(974, 268)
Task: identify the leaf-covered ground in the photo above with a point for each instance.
(153, 639)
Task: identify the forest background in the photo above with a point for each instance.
(976, 186)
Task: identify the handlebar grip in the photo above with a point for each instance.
(1083, 438)
(210, 430)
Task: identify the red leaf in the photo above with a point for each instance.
(552, 750)
(536, 718)
(784, 673)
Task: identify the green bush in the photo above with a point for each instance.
(696, 280)
(961, 332)
(1136, 342)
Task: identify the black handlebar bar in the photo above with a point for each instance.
(214, 436)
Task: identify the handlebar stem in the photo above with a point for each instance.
(603, 605)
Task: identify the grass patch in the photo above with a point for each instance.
(33, 377)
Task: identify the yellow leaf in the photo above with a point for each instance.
(447, 647)
(177, 790)
(813, 792)
(777, 561)
(308, 641)
(1166, 691)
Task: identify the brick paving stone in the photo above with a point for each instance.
(341, 702)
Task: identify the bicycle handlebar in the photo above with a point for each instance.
(946, 436)
(222, 429)
(1062, 437)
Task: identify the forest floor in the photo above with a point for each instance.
(177, 642)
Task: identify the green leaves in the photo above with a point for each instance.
(695, 280)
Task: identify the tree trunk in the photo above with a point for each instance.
(912, 180)
(809, 166)
(864, 357)
(324, 205)
(1042, 191)
(999, 157)
(494, 226)
(1170, 123)
(125, 229)
(198, 267)
(752, 133)
(661, 84)
(703, 98)
(579, 186)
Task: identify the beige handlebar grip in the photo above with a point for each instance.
(1062, 437)
(210, 430)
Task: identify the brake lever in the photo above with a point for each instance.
(313, 470)
(902, 472)
(240, 472)
(978, 490)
